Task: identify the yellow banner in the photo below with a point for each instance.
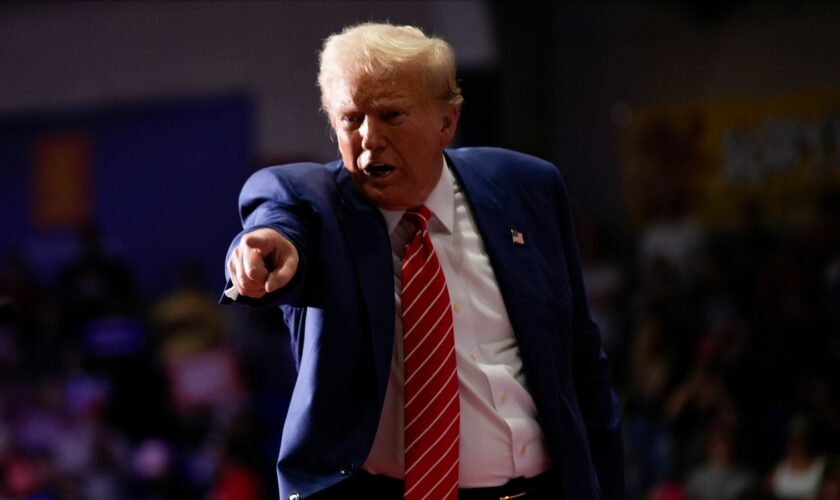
(776, 154)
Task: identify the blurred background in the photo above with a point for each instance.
(701, 147)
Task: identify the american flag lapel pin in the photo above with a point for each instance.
(517, 237)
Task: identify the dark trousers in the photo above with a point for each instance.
(362, 485)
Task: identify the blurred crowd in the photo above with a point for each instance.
(724, 346)
(107, 394)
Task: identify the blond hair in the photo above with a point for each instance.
(382, 50)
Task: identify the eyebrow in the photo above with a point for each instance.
(401, 101)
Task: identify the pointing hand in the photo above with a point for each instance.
(264, 261)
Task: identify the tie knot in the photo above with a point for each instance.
(418, 216)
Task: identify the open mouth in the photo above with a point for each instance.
(379, 169)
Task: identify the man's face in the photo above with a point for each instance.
(391, 136)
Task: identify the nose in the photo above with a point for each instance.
(371, 133)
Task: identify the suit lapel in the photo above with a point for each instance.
(513, 264)
(370, 248)
(495, 216)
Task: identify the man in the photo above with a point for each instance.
(466, 256)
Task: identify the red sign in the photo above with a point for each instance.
(62, 175)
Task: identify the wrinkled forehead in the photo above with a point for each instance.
(352, 86)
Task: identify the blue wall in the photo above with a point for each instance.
(165, 179)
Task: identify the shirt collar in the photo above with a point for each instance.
(441, 202)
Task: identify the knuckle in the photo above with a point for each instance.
(244, 279)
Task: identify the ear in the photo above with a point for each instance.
(449, 123)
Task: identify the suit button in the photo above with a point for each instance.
(347, 470)
(294, 496)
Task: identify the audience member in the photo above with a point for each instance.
(797, 476)
(719, 476)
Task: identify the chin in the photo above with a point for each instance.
(382, 199)
(388, 203)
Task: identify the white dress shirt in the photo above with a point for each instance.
(500, 437)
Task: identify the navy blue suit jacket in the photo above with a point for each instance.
(340, 311)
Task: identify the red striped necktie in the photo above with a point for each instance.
(432, 409)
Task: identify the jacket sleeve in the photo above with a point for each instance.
(269, 199)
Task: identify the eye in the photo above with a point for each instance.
(351, 120)
(392, 115)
